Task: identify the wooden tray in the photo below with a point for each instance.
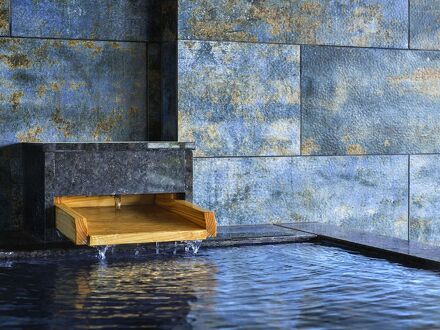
(96, 221)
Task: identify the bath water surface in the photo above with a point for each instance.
(287, 286)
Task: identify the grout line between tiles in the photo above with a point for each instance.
(409, 24)
(314, 156)
(300, 99)
(11, 35)
(311, 45)
(409, 196)
(10, 18)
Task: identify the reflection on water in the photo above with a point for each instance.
(280, 286)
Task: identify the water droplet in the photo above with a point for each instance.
(175, 248)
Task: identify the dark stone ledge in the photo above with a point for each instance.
(388, 246)
(21, 246)
(109, 146)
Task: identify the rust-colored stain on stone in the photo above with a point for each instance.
(61, 123)
(52, 87)
(105, 125)
(422, 81)
(75, 85)
(4, 17)
(355, 149)
(309, 147)
(238, 98)
(378, 101)
(31, 135)
(16, 99)
(41, 90)
(16, 61)
(369, 23)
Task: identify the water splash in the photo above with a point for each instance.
(102, 251)
(6, 255)
(193, 246)
(136, 251)
(175, 248)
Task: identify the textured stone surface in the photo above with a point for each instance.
(254, 231)
(55, 90)
(83, 19)
(90, 169)
(425, 199)
(358, 101)
(107, 173)
(406, 251)
(364, 193)
(4, 17)
(112, 146)
(425, 24)
(239, 99)
(169, 91)
(376, 23)
(11, 187)
(154, 92)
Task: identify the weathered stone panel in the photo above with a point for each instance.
(425, 24)
(366, 23)
(367, 193)
(54, 90)
(85, 19)
(370, 101)
(425, 199)
(239, 99)
(4, 17)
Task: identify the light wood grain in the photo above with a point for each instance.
(189, 211)
(138, 224)
(71, 224)
(142, 219)
(99, 201)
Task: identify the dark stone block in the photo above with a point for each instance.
(11, 187)
(169, 15)
(119, 172)
(169, 91)
(95, 169)
(154, 92)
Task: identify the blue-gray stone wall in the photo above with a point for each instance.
(75, 71)
(316, 110)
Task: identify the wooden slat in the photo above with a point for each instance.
(142, 219)
(139, 238)
(191, 212)
(102, 201)
(71, 224)
(138, 224)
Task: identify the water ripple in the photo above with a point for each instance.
(293, 286)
